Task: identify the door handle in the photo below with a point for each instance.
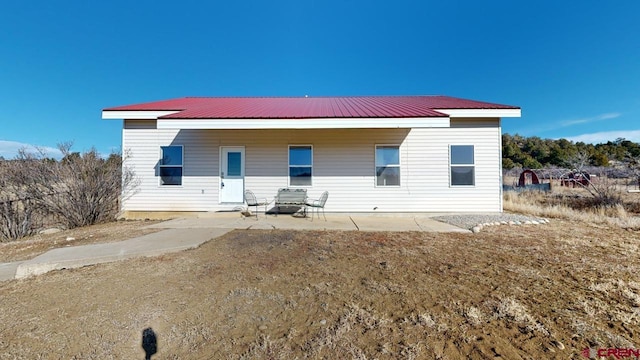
(222, 184)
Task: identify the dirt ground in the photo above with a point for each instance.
(508, 292)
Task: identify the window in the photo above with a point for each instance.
(170, 168)
(234, 163)
(462, 165)
(387, 165)
(300, 165)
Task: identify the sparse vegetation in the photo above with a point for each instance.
(539, 291)
(577, 204)
(80, 189)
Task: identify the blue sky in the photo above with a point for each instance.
(573, 66)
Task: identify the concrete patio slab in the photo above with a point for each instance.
(282, 221)
(362, 222)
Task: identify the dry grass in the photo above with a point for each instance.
(527, 292)
(513, 311)
(568, 204)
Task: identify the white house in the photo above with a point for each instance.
(372, 153)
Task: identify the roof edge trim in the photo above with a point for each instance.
(482, 113)
(136, 114)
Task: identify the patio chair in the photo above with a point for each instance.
(318, 204)
(251, 200)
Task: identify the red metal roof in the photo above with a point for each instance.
(309, 107)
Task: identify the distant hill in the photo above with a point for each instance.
(536, 153)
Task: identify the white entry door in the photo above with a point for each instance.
(231, 174)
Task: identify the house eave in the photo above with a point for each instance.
(136, 114)
(319, 123)
(481, 113)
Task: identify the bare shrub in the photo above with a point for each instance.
(20, 215)
(604, 191)
(578, 161)
(78, 190)
(91, 188)
(17, 219)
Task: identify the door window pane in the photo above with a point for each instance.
(234, 164)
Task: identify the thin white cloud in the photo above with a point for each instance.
(545, 127)
(600, 117)
(604, 136)
(9, 149)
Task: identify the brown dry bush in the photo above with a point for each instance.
(19, 213)
(78, 190)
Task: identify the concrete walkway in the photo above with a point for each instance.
(187, 233)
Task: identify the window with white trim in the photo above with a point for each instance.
(387, 165)
(300, 165)
(462, 164)
(170, 165)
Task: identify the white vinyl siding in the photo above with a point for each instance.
(342, 164)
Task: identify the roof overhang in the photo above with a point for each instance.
(136, 114)
(307, 123)
(320, 123)
(481, 113)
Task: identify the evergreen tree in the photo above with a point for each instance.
(535, 153)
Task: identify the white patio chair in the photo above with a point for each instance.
(251, 200)
(318, 204)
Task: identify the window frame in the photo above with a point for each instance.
(162, 166)
(472, 165)
(289, 166)
(375, 166)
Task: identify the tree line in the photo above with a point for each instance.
(536, 153)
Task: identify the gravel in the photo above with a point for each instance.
(471, 221)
